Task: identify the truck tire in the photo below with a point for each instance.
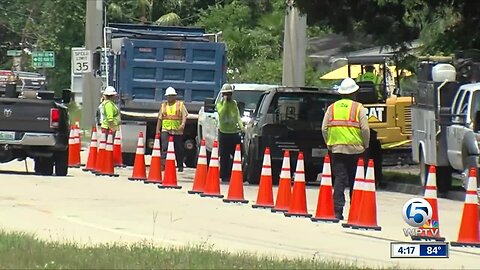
(251, 169)
(44, 166)
(443, 175)
(375, 153)
(128, 158)
(61, 163)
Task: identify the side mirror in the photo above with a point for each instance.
(66, 96)
(209, 105)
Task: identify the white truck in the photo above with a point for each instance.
(445, 124)
(246, 95)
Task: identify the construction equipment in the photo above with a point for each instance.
(388, 111)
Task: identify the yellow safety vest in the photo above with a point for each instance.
(172, 115)
(344, 124)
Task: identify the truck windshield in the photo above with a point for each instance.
(301, 109)
(247, 97)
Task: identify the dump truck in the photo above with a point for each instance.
(146, 60)
(446, 126)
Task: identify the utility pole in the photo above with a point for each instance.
(294, 46)
(93, 39)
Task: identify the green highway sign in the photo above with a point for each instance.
(43, 59)
(14, 53)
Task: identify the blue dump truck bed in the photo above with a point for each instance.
(153, 58)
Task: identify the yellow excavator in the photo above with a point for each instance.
(389, 113)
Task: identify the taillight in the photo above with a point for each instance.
(54, 118)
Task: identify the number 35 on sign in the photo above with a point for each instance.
(81, 61)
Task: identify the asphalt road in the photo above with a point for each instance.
(90, 209)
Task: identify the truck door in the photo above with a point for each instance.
(460, 129)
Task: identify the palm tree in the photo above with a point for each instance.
(143, 11)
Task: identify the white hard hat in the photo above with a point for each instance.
(110, 91)
(170, 91)
(348, 86)
(227, 88)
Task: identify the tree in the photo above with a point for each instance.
(443, 26)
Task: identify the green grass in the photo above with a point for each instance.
(23, 251)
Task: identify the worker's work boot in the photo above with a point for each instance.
(339, 213)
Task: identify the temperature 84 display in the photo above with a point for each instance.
(418, 250)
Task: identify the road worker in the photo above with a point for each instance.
(346, 132)
(172, 118)
(109, 111)
(370, 76)
(230, 125)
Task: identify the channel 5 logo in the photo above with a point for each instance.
(418, 213)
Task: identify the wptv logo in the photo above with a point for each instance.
(418, 213)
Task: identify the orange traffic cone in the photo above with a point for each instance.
(77, 125)
(235, 190)
(201, 172)
(284, 186)
(358, 188)
(367, 217)
(108, 168)
(212, 184)
(170, 179)
(431, 197)
(117, 150)
(325, 210)
(265, 189)
(101, 152)
(155, 172)
(78, 146)
(469, 234)
(73, 161)
(139, 172)
(92, 152)
(298, 202)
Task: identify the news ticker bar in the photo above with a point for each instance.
(418, 250)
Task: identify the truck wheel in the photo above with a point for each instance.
(44, 166)
(252, 169)
(61, 163)
(128, 158)
(444, 179)
(443, 175)
(376, 155)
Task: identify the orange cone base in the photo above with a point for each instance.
(288, 214)
(329, 220)
(211, 195)
(370, 228)
(137, 179)
(87, 170)
(347, 225)
(428, 238)
(235, 201)
(263, 206)
(278, 210)
(195, 192)
(74, 166)
(465, 244)
(169, 187)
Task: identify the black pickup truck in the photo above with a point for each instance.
(34, 123)
(289, 118)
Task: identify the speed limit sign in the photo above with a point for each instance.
(81, 61)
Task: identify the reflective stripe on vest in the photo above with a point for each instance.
(172, 115)
(344, 124)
